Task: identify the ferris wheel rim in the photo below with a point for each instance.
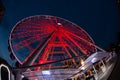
(10, 37)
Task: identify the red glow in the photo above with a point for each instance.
(68, 39)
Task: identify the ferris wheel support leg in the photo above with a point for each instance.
(32, 57)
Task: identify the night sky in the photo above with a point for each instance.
(99, 18)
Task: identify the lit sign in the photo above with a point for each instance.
(46, 72)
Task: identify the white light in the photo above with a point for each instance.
(94, 60)
(59, 23)
(83, 68)
(22, 76)
(82, 61)
(46, 72)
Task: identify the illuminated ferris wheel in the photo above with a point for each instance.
(43, 39)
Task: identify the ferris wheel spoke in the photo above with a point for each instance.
(86, 46)
(73, 41)
(29, 34)
(72, 48)
(25, 42)
(86, 41)
(27, 29)
(77, 32)
(23, 35)
(67, 51)
(65, 46)
(79, 37)
(28, 41)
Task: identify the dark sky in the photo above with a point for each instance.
(100, 18)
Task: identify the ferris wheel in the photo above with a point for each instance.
(42, 39)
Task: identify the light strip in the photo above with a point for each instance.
(2, 65)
